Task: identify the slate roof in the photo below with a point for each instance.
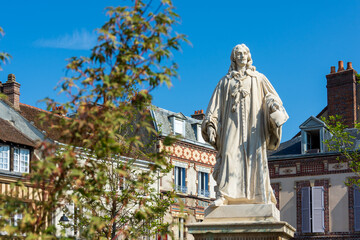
(163, 125)
(8, 133)
(291, 147)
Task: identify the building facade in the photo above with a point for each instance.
(309, 181)
(193, 162)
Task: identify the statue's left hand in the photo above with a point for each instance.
(275, 106)
(211, 133)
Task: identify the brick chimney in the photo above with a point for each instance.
(342, 93)
(199, 115)
(12, 90)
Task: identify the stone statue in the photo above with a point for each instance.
(243, 120)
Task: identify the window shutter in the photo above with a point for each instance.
(318, 209)
(305, 210)
(356, 208)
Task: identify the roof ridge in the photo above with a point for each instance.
(46, 111)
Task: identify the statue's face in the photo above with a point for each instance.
(241, 56)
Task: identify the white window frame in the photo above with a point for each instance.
(5, 157)
(306, 141)
(312, 209)
(203, 185)
(180, 179)
(21, 160)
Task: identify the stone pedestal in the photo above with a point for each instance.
(242, 222)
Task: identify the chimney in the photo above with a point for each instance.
(342, 93)
(199, 115)
(12, 90)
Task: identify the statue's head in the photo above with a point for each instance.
(234, 53)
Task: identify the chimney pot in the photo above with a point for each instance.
(341, 66)
(332, 69)
(11, 78)
(199, 114)
(349, 66)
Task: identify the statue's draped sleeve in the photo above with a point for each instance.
(273, 132)
(213, 115)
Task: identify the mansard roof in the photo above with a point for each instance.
(161, 119)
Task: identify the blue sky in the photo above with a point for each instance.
(293, 43)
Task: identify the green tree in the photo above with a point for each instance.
(96, 166)
(4, 57)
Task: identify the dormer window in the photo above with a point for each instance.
(313, 134)
(178, 123)
(179, 126)
(197, 131)
(313, 141)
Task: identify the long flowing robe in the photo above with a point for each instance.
(239, 111)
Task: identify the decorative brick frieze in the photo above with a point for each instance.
(307, 166)
(287, 170)
(312, 167)
(191, 153)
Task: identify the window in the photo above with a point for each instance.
(312, 209)
(313, 134)
(180, 176)
(21, 160)
(178, 126)
(4, 157)
(197, 130)
(16, 219)
(313, 141)
(203, 184)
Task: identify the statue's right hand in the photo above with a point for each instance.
(211, 133)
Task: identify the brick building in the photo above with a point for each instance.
(193, 160)
(308, 180)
